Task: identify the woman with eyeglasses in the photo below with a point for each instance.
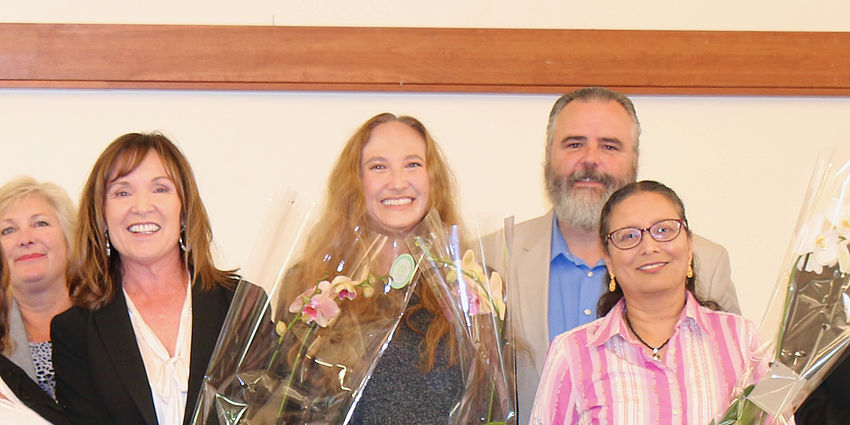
(657, 354)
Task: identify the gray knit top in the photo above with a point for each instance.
(398, 392)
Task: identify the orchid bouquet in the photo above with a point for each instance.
(471, 293)
(808, 319)
(306, 327)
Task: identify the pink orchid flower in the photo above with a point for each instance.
(317, 306)
(475, 306)
(344, 287)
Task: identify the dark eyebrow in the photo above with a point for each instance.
(571, 137)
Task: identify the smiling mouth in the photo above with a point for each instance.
(144, 229)
(652, 266)
(29, 257)
(588, 180)
(590, 176)
(394, 202)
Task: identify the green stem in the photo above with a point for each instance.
(449, 263)
(292, 372)
(304, 300)
(470, 275)
(280, 340)
(788, 297)
(492, 399)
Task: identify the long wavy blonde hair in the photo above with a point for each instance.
(345, 208)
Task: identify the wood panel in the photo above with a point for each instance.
(423, 59)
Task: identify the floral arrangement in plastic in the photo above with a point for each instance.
(304, 332)
(807, 322)
(471, 293)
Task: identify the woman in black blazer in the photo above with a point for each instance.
(149, 302)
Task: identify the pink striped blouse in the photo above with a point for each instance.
(599, 373)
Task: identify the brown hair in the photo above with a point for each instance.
(95, 275)
(345, 208)
(16, 191)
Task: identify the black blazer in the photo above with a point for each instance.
(30, 393)
(100, 374)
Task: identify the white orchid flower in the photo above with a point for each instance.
(844, 256)
(825, 253)
(842, 226)
(811, 231)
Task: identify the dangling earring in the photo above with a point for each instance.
(612, 285)
(690, 273)
(108, 246)
(180, 238)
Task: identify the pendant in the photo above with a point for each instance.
(655, 355)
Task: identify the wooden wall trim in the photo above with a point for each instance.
(423, 59)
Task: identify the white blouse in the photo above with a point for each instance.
(168, 376)
(13, 411)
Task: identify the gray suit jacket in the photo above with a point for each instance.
(529, 293)
(20, 354)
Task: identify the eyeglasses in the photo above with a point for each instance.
(663, 231)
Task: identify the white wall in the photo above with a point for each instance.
(768, 15)
(740, 163)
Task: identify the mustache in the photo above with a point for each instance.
(592, 174)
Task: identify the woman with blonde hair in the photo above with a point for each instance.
(149, 300)
(36, 220)
(22, 401)
(388, 176)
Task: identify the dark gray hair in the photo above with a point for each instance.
(588, 94)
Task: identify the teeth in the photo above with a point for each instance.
(144, 228)
(397, 201)
(650, 266)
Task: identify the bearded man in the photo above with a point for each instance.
(591, 151)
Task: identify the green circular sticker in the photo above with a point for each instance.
(402, 271)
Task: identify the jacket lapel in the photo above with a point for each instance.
(116, 330)
(209, 309)
(29, 393)
(534, 244)
(532, 249)
(17, 333)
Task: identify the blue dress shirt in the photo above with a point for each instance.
(574, 287)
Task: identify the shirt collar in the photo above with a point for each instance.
(613, 323)
(559, 247)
